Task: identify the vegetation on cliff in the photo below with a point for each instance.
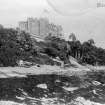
(15, 46)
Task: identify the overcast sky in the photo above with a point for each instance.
(79, 16)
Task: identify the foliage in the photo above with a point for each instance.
(57, 47)
(85, 52)
(12, 48)
(72, 37)
(15, 46)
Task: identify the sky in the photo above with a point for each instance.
(81, 17)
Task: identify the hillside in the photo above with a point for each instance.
(50, 72)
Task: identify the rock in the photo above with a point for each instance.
(70, 88)
(82, 101)
(96, 83)
(94, 92)
(57, 81)
(10, 103)
(43, 86)
(20, 98)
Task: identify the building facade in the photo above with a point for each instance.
(44, 23)
(23, 26)
(55, 30)
(1, 26)
(33, 26)
(40, 27)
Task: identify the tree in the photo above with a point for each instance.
(89, 52)
(25, 41)
(58, 47)
(72, 37)
(91, 42)
(14, 46)
(9, 48)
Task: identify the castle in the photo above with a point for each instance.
(40, 27)
(100, 3)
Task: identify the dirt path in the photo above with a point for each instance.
(8, 72)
